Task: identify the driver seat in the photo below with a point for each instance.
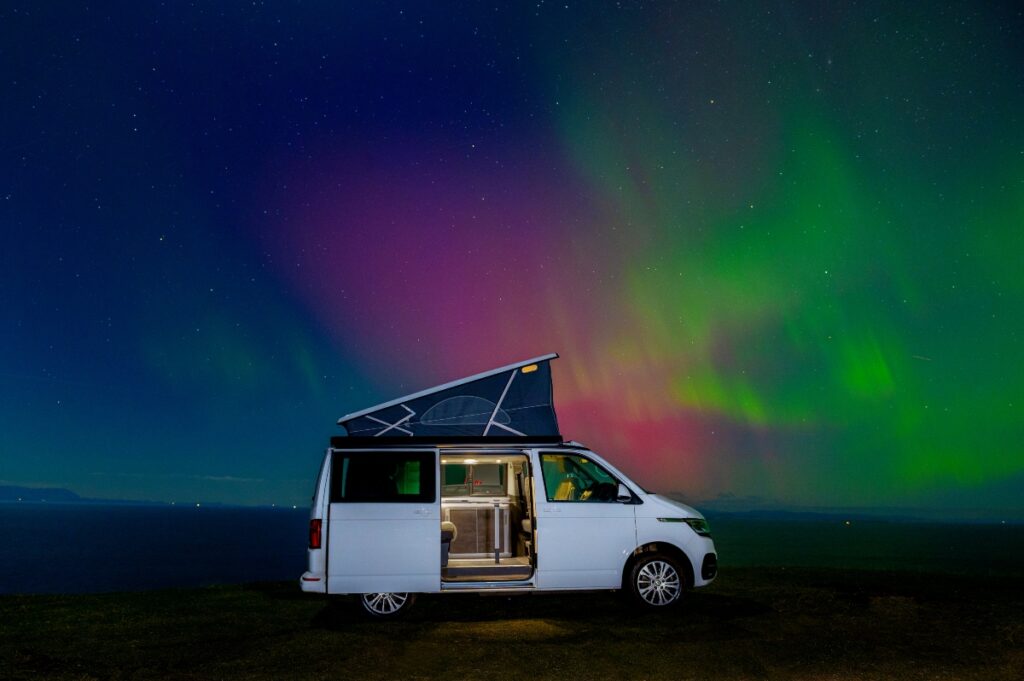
(567, 490)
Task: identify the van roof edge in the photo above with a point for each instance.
(360, 442)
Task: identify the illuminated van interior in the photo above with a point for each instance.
(487, 516)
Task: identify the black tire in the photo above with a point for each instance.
(657, 582)
(386, 605)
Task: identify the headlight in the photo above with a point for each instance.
(698, 525)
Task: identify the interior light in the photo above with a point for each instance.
(529, 369)
(469, 461)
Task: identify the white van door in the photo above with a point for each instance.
(384, 522)
(584, 535)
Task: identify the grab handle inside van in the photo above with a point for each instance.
(497, 533)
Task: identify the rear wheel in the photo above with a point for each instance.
(386, 605)
(657, 582)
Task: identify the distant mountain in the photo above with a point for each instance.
(55, 494)
(59, 495)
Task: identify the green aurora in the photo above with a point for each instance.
(826, 249)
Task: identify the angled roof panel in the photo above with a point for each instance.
(512, 400)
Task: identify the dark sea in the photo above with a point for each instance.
(75, 548)
(55, 548)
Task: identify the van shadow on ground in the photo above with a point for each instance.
(580, 609)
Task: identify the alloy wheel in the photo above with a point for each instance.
(658, 583)
(384, 604)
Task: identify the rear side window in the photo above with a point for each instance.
(383, 477)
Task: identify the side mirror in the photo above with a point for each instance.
(623, 496)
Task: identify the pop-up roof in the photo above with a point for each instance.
(512, 400)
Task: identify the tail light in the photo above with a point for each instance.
(314, 533)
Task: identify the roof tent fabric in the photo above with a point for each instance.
(514, 400)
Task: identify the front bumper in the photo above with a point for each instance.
(698, 551)
(709, 567)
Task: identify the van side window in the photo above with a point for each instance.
(569, 477)
(479, 479)
(383, 477)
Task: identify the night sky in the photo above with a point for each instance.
(779, 246)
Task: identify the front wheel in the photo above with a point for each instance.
(657, 582)
(386, 605)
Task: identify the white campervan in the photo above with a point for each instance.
(469, 487)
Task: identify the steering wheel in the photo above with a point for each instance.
(600, 491)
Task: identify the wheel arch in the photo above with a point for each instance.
(664, 548)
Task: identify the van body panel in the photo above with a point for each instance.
(660, 506)
(385, 547)
(315, 578)
(581, 545)
(680, 535)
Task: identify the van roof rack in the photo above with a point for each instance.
(514, 400)
(364, 442)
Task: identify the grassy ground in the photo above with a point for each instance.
(751, 624)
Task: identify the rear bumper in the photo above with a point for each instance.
(313, 583)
